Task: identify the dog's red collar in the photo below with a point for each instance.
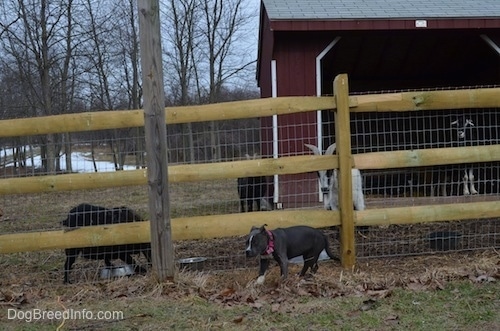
(270, 243)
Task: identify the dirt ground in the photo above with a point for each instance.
(23, 287)
(226, 264)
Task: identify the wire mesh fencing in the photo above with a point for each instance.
(231, 140)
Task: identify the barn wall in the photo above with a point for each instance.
(375, 61)
(295, 56)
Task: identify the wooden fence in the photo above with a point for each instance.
(214, 226)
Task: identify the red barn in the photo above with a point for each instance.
(382, 45)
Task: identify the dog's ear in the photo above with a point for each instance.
(262, 228)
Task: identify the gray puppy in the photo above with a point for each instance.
(284, 244)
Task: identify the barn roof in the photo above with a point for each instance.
(380, 9)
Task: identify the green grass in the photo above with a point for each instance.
(460, 306)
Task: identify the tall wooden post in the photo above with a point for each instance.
(162, 248)
(343, 140)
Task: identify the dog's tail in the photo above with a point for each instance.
(328, 251)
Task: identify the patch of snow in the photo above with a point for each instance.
(81, 162)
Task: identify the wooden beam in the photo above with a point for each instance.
(262, 167)
(200, 227)
(176, 174)
(429, 213)
(78, 122)
(427, 157)
(71, 182)
(343, 141)
(162, 247)
(248, 109)
(427, 100)
(229, 225)
(115, 234)
(117, 119)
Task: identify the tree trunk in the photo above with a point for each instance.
(67, 152)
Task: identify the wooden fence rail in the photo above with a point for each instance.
(118, 119)
(263, 167)
(237, 224)
(219, 226)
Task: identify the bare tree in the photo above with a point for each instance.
(6, 21)
(66, 54)
(67, 84)
(223, 21)
(103, 23)
(35, 42)
(129, 41)
(182, 16)
(207, 51)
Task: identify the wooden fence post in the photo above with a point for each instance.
(343, 140)
(162, 248)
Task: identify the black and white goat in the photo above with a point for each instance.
(468, 177)
(253, 189)
(460, 131)
(328, 181)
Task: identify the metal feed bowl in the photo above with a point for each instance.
(192, 263)
(114, 272)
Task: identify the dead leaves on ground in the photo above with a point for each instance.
(280, 296)
(11, 298)
(373, 280)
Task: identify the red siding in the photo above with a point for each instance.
(295, 57)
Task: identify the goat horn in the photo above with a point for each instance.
(331, 149)
(313, 148)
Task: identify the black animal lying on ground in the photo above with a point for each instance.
(87, 215)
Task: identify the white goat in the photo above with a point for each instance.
(328, 181)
